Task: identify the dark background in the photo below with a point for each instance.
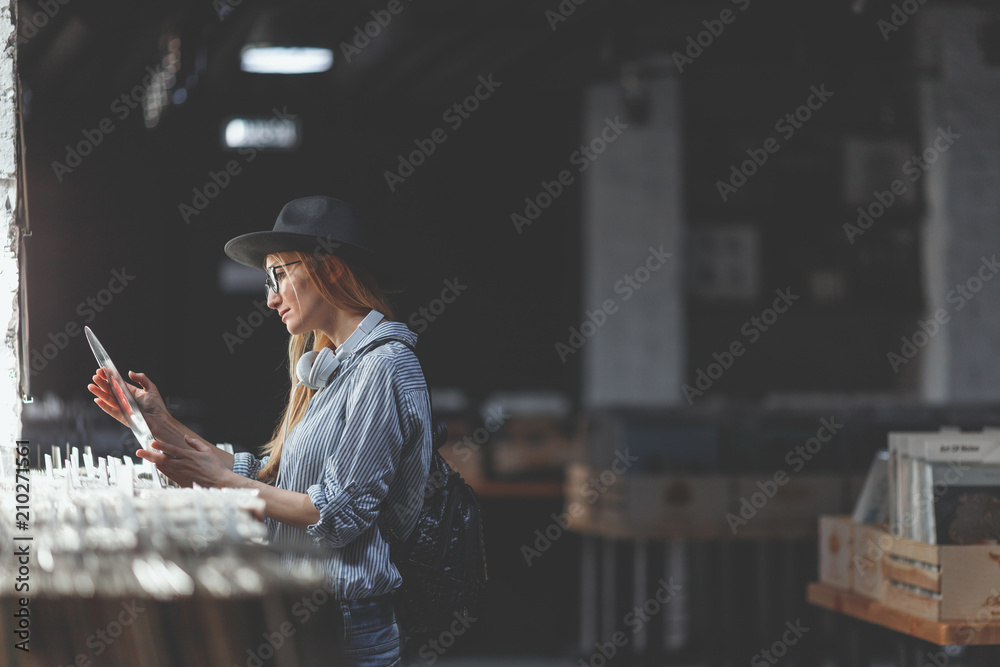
(452, 218)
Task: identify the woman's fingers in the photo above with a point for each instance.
(105, 401)
(156, 457)
(162, 453)
(100, 389)
(110, 408)
(175, 468)
(143, 381)
(197, 443)
(172, 451)
(101, 381)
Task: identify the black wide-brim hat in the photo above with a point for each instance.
(317, 225)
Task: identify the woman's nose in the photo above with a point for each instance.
(273, 300)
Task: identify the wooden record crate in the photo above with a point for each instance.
(650, 505)
(868, 550)
(836, 551)
(851, 555)
(691, 506)
(943, 583)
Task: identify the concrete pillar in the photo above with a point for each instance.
(632, 205)
(960, 91)
(10, 394)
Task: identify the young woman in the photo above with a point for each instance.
(355, 435)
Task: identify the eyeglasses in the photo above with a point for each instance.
(272, 280)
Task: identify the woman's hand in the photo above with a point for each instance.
(195, 462)
(161, 423)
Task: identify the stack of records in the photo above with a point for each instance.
(872, 506)
(117, 570)
(945, 487)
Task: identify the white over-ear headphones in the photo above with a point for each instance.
(315, 368)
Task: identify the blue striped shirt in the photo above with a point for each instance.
(365, 438)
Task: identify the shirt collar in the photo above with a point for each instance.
(386, 330)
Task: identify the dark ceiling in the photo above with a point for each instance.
(427, 50)
(120, 206)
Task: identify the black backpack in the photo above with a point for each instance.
(443, 560)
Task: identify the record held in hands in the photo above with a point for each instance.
(122, 395)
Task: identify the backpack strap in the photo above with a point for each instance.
(382, 341)
(439, 428)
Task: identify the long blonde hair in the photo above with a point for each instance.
(342, 284)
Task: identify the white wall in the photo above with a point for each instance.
(958, 90)
(10, 398)
(633, 200)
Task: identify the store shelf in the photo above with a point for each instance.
(942, 633)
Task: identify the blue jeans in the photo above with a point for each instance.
(369, 633)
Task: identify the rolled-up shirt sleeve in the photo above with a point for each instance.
(248, 465)
(356, 476)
